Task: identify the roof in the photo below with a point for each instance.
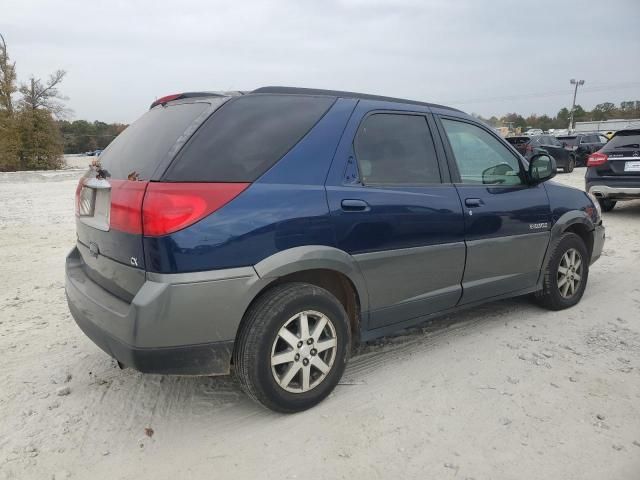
(343, 94)
(300, 91)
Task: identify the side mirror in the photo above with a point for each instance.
(542, 167)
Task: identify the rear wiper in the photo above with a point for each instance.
(634, 145)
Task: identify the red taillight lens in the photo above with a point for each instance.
(169, 207)
(597, 159)
(126, 205)
(78, 190)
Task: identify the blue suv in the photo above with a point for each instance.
(266, 232)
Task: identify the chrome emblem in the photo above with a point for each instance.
(134, 261)
(538, 226)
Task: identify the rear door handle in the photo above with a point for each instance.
(353, 205)
(473, 202)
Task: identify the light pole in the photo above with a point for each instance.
(577, 83)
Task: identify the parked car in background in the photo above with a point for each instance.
(269, 232)
(613, 172)
(529, 145)
(533, 131)
(582, 145)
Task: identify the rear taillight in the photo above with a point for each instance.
(126, 205)
(169, 207)
(597, 159)
(78, 190)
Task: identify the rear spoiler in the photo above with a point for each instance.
(180, 96)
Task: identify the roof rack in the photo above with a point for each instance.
(339, 93)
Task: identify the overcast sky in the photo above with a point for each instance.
(488, 57)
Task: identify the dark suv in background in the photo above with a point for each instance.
(534, 144)
(582, 145)
(269, 231)
(613, 173)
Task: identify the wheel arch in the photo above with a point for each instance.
(573, 221)
(326, 267)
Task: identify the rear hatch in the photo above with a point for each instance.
(623, 155)
(520, 144)
(109, 196)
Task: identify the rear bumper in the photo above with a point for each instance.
(181, 324)
(615, 187)
(614, 192)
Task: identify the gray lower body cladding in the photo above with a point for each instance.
(181, 324)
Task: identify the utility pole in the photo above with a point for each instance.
(577, 83)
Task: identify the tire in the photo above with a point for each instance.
(606, 204)
(557, 294)
(570, 166)
(262, 339)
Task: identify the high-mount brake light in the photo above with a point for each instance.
(165, 99)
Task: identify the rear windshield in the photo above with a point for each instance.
(517, 140)
(245, 137)
(569, 141)
(624, 140)
(144, 144)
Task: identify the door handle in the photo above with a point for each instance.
(353, 205)
(473, 202)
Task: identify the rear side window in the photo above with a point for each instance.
(142, 146)
(396, 149)
(245, 137)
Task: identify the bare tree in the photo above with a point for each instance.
(7, 78)
(39, 95)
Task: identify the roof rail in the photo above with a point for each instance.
(339, 93)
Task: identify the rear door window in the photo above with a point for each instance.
(142, 146)
(481, 158)
(396, 149)
(246, 136)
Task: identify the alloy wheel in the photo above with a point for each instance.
(304, 351)
(570, 273)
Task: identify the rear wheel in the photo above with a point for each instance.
(606, 204)
(292, 347)
(565, 277)
(571, 165)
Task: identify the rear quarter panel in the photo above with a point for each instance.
(285, 208)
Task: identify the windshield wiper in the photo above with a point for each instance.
(629, 145)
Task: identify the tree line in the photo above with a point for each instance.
(603, 111)
(33, 131)
(29, 136)
(81, 136)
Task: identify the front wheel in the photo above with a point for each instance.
(565, 277)
(292, 347)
